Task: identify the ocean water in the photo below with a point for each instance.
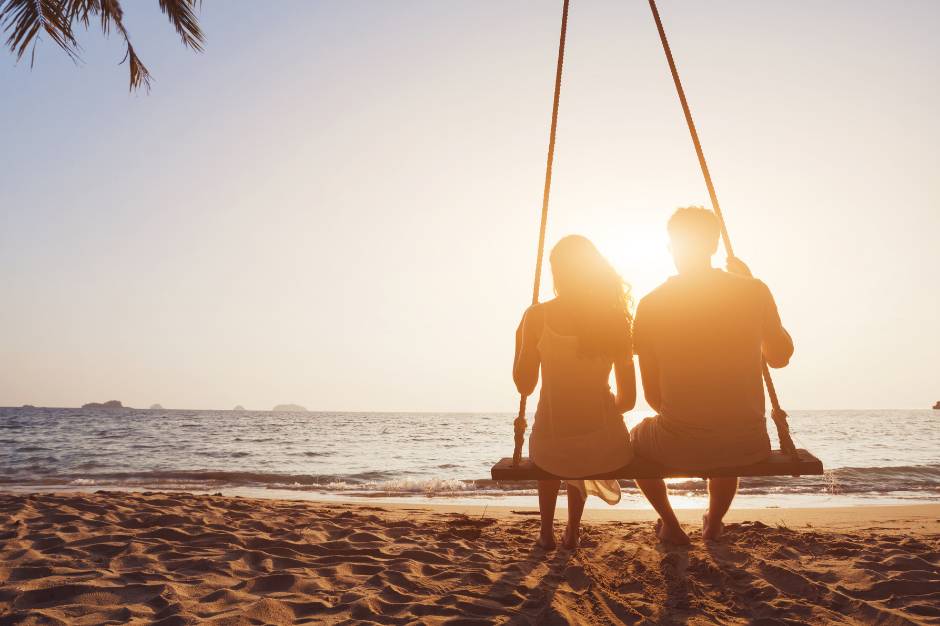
(870, 457)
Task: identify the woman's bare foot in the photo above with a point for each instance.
(711, 530)
(570, 540)
(672, 535)
(546, 543)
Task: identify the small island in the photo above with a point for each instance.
(289, 408)
(238, 407)
(156, 407)
(110, 404)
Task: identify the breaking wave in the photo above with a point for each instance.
(922, 480)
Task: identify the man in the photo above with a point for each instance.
(700, 337)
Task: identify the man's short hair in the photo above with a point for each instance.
(694, 229)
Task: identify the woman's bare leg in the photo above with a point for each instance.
(668, 529)
(576, 501)
(548, 496)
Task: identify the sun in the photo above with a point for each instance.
(639, 251)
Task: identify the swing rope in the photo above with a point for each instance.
(519, 424)
(778, 414)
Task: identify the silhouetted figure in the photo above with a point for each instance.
(700, 337)
(577, 338)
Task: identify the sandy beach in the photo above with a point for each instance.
(178, 558)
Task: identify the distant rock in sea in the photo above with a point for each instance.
(30, 406)
(937, 405)
(110, 404)
(238, 407)
(289, 408)
(156, 407)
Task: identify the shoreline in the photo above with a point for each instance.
(632, 501)
(922, 517)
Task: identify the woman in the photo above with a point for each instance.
(577, 338)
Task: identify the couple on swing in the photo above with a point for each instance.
(699, 338)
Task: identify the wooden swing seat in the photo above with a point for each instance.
(779, 463)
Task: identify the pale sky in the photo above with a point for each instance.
(337, 203)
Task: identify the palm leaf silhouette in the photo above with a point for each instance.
(25, 21)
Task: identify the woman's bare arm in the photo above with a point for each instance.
(525, 367)
(625, 375)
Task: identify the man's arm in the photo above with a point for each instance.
(649, 372)
(776, 343)
(649, 364)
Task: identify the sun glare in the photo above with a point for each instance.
(639, 252)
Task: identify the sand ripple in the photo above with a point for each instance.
(180, 559)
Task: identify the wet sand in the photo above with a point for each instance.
(177, 558)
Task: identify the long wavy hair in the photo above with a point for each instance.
(598, 295)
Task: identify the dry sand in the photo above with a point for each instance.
(176, 558)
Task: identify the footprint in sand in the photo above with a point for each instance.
(577, 579)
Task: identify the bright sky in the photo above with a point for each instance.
(337, 203)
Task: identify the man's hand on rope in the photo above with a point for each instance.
(739, 267)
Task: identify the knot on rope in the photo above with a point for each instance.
(783, 431)
(519, 426)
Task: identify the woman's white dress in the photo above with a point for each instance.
(577, 430)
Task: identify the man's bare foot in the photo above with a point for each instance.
(546, 543)
(672, 535)
(711, 530)
(570, 541)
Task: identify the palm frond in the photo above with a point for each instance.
(140, 75)
(25, 19)
(80, 10)
(184, 20)
(110, 12)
